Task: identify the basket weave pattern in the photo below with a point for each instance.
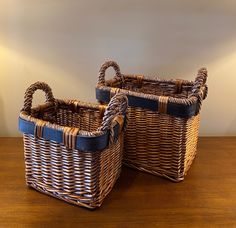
(71, 175)
(167, 147)
(60, 169)
(162, 132)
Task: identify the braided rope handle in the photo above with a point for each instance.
(118, 105)
(30, 92)
(200, 82)
(104, 67)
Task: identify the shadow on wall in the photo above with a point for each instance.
(3, 128)
(66, 43)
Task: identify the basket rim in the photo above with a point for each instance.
(85, 140)
(182, 101)
(103, 95)
(179, 107)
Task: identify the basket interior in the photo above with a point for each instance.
(85, 118)
(155, 87)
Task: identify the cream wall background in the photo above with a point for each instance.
(64, 43)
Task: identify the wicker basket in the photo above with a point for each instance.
(73, 150)
(162, 133)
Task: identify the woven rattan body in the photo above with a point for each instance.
(162, 133)
(69, 170)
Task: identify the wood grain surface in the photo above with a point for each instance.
(206, 198)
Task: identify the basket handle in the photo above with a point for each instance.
(104, 67)
(30, 92)
(117, 107)
(200, 82)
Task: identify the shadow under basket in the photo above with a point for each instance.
(73, 150)
(162, 131)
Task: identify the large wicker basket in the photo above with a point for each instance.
(162, 133)
(73, 150)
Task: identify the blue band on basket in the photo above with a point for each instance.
(83, 143)
(173, 109)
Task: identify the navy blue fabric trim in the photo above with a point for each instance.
(83, 143)
(173, 109)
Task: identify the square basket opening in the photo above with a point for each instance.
(70, 114)
(170, 88)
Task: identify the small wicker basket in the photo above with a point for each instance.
(73, 150)
(162, 133)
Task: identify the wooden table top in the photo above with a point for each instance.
(206, 198)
